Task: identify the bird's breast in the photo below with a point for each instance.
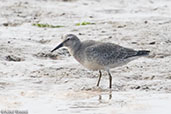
(92, 66)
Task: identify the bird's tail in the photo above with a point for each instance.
(142, 53)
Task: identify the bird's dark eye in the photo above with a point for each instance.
(69, 38)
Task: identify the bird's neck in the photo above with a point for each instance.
(73, 50)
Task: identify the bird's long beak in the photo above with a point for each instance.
(59, 46)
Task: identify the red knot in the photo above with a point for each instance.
(98, 55)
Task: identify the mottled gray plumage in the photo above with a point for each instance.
(98, 55)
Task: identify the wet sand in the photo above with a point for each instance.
(36, 80)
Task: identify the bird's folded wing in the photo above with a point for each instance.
(108, 52)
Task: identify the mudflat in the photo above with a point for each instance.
(34, 79)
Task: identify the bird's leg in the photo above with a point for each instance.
(110, 79)
(100, 75)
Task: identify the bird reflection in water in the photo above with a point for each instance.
(108, 98)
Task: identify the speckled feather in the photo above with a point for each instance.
(108, 53)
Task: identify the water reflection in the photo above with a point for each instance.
(105, 97)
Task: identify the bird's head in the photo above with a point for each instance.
(71, 41)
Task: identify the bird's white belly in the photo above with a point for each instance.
(93, 66)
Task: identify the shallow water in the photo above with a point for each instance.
(89, 102)
(33, 79)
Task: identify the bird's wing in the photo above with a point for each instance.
(104, 53)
